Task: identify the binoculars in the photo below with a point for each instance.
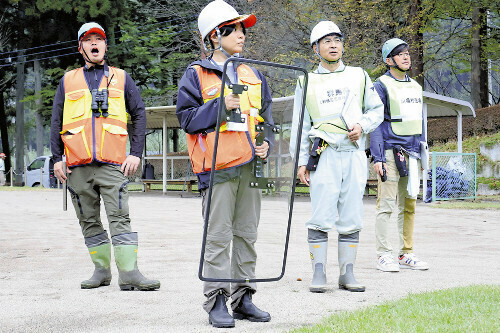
(100, 103)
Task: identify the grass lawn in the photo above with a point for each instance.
(464, 309)
(481, 202)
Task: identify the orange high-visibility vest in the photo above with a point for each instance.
(234, 148)
(87, 138)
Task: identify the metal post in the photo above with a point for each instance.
(11, 179)
(475, 176)
(65, 185)
(171, 168)
(279, 153)
(433, 158)
(424, 172)
(164, 153)
(459, 131)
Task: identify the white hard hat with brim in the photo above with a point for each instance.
(89, 28)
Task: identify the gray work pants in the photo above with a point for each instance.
(87, 184)
(234, 216)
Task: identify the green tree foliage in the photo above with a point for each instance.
(155, 40)
(450, 42)
(148, 53)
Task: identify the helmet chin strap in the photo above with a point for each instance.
(397, 67)
(219, 37)
(329, 62)
(86, 57)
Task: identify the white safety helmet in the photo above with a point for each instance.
(323, 29)
(390, 45)
(218, 12)
(88, 28)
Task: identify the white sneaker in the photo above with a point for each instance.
(410, 260)
(386, 263)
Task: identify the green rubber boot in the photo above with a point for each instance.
(101, 256)
(129, 276)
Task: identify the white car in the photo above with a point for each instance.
(33, 174)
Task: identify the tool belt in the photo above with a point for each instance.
(399, 159)
(319, 145)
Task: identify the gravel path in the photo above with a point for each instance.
(43, 259)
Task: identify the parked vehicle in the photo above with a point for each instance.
(33, 174)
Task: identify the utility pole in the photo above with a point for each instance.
(38, 109)
(19, 118)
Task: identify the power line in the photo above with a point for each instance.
(72, 41)
(71, 47)
(62, 55)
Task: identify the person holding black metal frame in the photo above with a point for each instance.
(89, 127)
(234, 206)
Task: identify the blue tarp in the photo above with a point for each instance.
(449, 184)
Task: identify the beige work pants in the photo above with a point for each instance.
(389, 193)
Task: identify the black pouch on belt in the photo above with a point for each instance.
(399, 158)
(317, 148)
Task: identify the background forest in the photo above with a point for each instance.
(454, 45)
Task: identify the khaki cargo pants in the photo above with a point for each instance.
(234, 216)
(87, 184)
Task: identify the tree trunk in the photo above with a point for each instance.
(38, 111)
(19, 119)
(4, 134)
(416, 42)
(479, 62)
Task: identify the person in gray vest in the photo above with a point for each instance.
(395, 146)
(341, 108)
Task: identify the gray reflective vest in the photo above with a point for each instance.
(334, 95)
(405, 105)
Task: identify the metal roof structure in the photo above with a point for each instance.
(437, 106)
(155, 116)
(443, 106)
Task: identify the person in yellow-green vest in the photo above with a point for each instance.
(341, 108)
(89, 127)
(396, 149)
(235, 207)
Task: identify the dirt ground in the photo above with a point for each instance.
(43, 259)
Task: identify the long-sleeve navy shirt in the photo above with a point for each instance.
(133, 104)
(384, 138)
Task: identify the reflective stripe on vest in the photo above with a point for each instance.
(87, 138)
(326, 96)
(405, 105)
(234, 147)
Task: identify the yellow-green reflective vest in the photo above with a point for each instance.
(327, 94)
(405, 105)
